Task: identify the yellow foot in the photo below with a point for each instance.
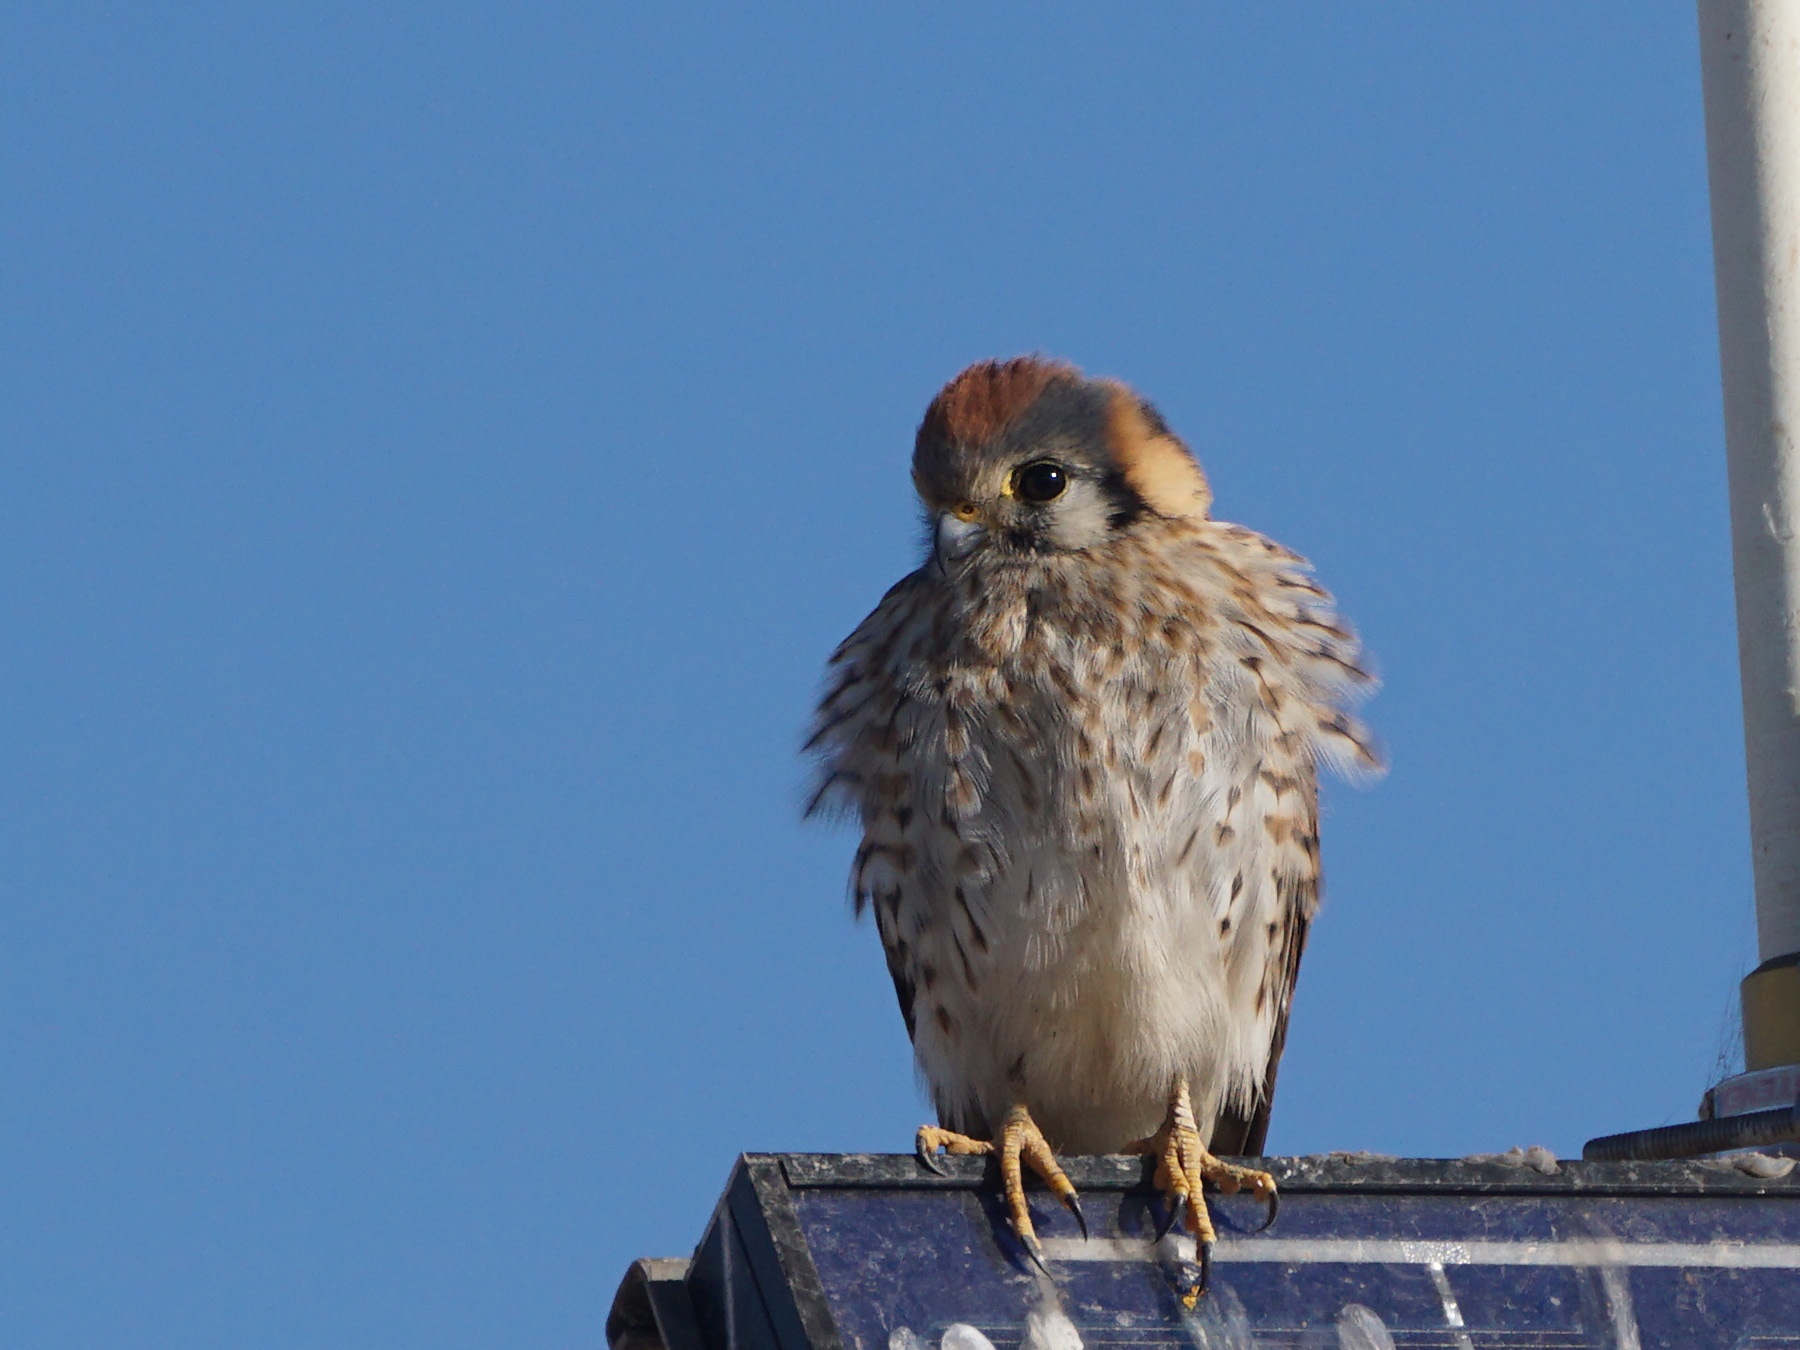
(1183, 1166)
(1021, 1144)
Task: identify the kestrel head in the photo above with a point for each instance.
(1029, 455)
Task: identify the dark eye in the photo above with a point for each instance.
(1041, 482)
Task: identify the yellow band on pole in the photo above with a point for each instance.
(1771, 995)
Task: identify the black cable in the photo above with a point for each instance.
(1750, 1130)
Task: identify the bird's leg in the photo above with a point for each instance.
(1021, 1144)
(1183, 1165)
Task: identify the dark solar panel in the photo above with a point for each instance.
(813, 1252)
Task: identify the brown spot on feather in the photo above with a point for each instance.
(962, 795)
(969, 981)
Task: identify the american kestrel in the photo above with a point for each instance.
(1083, 741)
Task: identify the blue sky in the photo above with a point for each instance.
(440, 445)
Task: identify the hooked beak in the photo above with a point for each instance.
(959, 532)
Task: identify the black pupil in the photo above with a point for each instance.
(1042, 482)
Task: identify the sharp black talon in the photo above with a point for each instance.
(1035, 1252)
(929, 1158)
(1074, 1204)
(1274, 1209)
(1175, 1203)
(1205, 1270)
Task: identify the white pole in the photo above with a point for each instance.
(1750, 63)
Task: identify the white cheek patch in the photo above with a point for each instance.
(1080, 518)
